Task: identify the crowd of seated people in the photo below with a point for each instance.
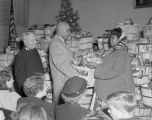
(120, 105)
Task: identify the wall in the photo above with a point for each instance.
(43, 11)
(115, 12)
(95, 15)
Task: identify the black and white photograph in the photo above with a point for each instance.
(75, 59)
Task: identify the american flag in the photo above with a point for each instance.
(12, 28)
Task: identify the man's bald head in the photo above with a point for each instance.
(63, 30)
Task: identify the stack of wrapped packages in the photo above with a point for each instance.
(41, 44)
(82, 47)
(44, 58)
(140, 49)
(148, 30)
(7, 58)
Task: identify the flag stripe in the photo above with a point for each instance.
(12, 28)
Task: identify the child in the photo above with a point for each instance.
(35, 87)
(8, 97)
(121, 105)
(73, 93)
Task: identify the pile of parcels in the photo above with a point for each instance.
(140, 49)
(139, 43)
(6, 60)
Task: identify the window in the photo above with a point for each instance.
(142, 3)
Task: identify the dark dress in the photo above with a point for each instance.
(26, 63)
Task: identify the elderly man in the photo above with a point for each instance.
(61, 59)
(27, 62)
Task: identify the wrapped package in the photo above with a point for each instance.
(38, 32)
(147, 58)
(86, 43)
(6, 59)
(73, 44)
(144, 112)
(141, 81)
(147, 95)
(132, 47)
(144, 47)
(148, 30)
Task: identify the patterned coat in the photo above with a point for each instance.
(114, 74)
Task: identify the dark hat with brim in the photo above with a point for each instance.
(74, 86)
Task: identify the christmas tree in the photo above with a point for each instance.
(67, 14)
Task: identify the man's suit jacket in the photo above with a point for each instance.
(60, 58)
(70, 111)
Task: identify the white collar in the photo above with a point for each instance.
(26, 48)
(60, 38)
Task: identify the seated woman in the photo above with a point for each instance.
(115, 73)
(30, 112)
(8, 97)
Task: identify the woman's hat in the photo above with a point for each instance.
(74, 86)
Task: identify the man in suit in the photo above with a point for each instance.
(61, 59)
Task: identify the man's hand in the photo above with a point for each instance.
(78, 60)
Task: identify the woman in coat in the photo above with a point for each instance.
(115, 73)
